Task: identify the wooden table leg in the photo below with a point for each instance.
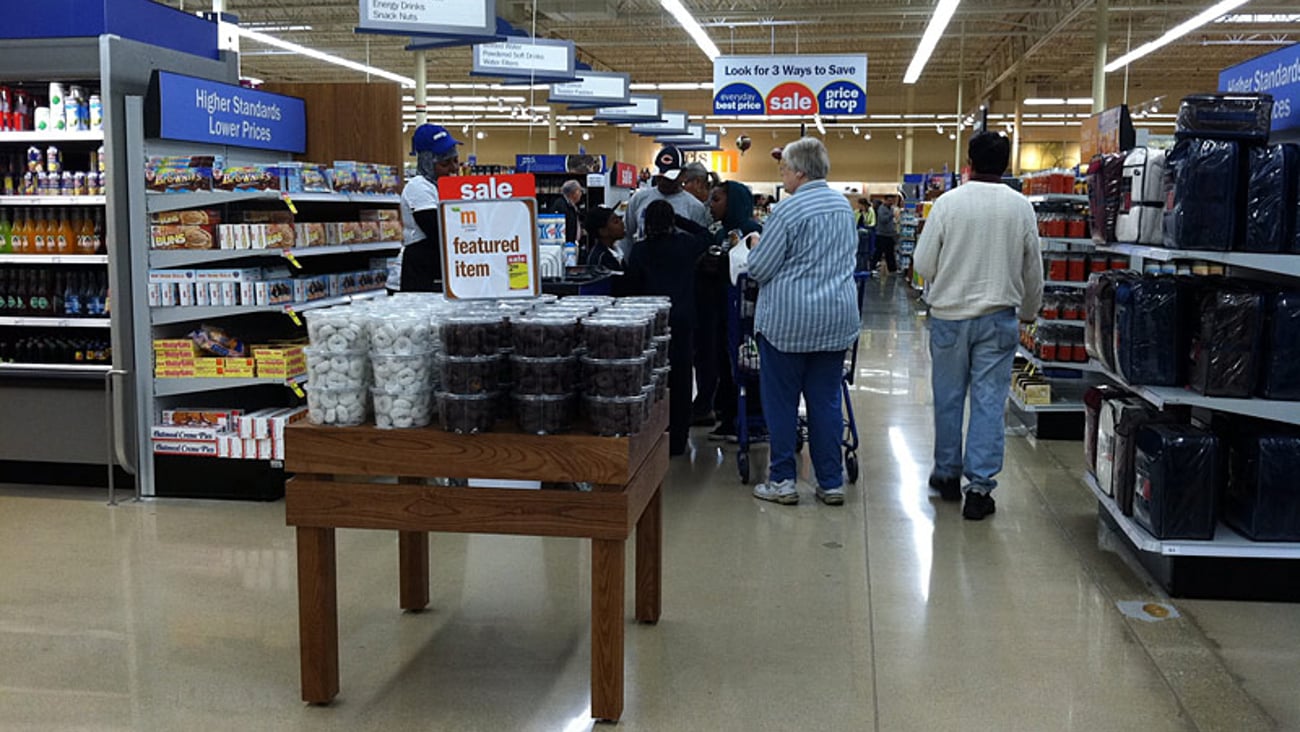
(318, 615)
(649, 543)
(413, 561)
(607, 628)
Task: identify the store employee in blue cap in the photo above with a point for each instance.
(420, 262)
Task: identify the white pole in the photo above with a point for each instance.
(421, 89)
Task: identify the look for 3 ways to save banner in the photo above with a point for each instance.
(790, 85)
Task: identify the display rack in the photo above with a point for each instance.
(1283, 264)
(1089, 366)
(154, 394)
(53, 259)
(1058, 198)
(53, 200)
(1054, 407)
(1226, 542)
(42, 322)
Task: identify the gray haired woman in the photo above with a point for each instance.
(807, 316)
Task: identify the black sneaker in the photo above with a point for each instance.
(706, 419)
(723, 433)
(978, 505)
(949, 488)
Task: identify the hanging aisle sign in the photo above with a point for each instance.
(191, 109)
(790, 85)
(1276, 73)
(428, 17)
(525, 58)
(712, 142)
(694, 136)
(593, 88)
(671, 123)
(641, 109)
(489, 236)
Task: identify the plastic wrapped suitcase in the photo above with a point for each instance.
(1262, 500)
(1279, 373)
(1111, 414)
(1126, 429)
(1099, 323)
(1204, 195)
(1104, 183)
(1271, 205)
(1176, 470)
(1142, 197)
(1093, 399)
(1148, 331)
(1246, 117)
(1225, 345)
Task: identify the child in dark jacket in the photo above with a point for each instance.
(664, 264)
(732, 204)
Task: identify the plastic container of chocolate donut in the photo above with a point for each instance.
(615, 416)
(473, 334)
(545, 375)
(470, 374)
(545, 414)
(468, 413)
(607, 335)
(545, 335)
(614, 377)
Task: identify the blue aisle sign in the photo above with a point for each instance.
(790, 85)
(191, 109)
(1276, 73)
(453, 18)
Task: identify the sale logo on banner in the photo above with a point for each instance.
(489, 237)
(790, 85)
(625, 175)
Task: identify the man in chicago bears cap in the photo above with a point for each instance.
(419, 263)
(692, 215)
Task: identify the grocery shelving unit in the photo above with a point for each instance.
(154, 394)
(61, 413)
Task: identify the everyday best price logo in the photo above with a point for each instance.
(790, 85)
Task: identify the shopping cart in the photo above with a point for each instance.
(742, 353)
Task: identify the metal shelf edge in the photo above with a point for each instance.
(53, 259)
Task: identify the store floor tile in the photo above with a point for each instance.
(888, 613)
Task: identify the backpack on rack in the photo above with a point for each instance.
(1104, 174)
(1271, 199)
(1142, 197)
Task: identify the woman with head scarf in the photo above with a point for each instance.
(420, 262)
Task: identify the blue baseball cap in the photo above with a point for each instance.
(433, 138)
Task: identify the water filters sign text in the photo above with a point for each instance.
(790, 85)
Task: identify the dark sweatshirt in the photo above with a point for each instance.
(665, 266)
(740, 212)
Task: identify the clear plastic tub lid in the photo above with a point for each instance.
(641, 360)
(544, 360)
(615, 400)
(484, 359)
(545, 398)
(548, 318)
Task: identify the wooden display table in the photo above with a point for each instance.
(323, 496)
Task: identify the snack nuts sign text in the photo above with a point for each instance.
(489, 236)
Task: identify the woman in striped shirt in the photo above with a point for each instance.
(807, 316)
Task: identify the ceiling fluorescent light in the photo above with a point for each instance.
(692, 27)
(817, 120)
(933, 32)
(1173, 34)
(1058, 102)
(263, 38)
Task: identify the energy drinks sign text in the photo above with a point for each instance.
(790, 85)
(489, 236)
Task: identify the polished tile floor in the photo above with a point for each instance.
(889, 613)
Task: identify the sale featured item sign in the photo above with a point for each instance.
(489, 237)
(790, 85)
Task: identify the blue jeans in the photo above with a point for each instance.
(783, 377)
(971, 355)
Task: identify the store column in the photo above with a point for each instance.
(421, 89)
(1015, 131)
(1100, 43)
(908, 136)
(552, 134)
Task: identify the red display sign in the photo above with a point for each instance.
(486, 187)
(625, 175)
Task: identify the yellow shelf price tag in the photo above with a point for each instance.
(293, 315)
(292, 259)
(297, 389)
(289, 202)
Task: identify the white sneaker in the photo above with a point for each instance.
(831, 496)
(782, 492)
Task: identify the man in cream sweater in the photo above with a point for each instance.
(979, 253)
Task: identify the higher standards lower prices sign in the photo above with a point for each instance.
(489, 236)
(790, 85)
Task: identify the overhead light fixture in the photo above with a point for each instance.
(692, 27)
(899, 135)
(329, 58)
(867, 136)
(267, 27)
(952, 136)
(933, 32)
(939, 129)
(480, 135)
(856, 131)
(586, 136)
(464, 130)
(817, 120)
(1173, 34)
(722, 130)
(1057, 102)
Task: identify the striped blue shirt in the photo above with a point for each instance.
(804, 264)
